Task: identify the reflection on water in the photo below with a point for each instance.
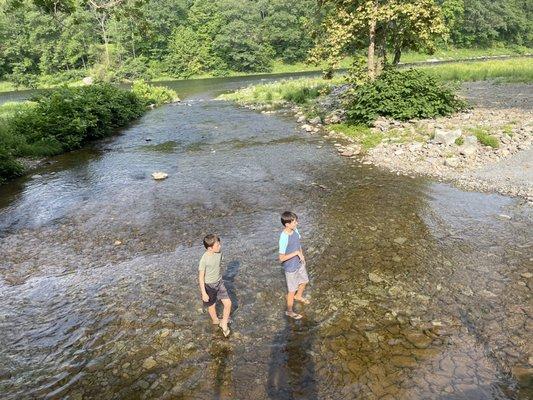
(418, 290)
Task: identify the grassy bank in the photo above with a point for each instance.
(65, 119)
(512, 70)
(297, 91)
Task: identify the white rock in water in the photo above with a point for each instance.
(447, 137)
(159, 175)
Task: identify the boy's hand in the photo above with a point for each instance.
(205, 297)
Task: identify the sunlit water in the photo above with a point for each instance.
(418, 290)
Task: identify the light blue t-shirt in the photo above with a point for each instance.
(289, 244)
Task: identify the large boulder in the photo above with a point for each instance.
(446, 137)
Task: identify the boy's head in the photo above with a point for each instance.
(212, 242)
(289, 219)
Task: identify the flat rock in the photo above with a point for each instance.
(446, 137)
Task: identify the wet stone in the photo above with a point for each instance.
(149, 363)
(404, 361)
(400, 240)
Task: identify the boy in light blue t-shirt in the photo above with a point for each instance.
(292, 258)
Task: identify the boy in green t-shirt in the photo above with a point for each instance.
(211, 285)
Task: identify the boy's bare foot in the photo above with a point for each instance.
(302, 300)
(292, 314)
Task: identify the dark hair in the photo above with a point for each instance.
(210, 240)
(287, 217)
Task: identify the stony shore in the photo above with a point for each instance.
(447, 148)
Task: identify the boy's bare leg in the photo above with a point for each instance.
(213, 313)
(226, 312)
(300, 293)
(290, 301)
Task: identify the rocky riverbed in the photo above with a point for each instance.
(449, 148)
(419, 290)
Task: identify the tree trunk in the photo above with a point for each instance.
(102, 19)
(372, 45)
(397, 55)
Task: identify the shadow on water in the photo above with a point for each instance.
(291, 371)
(229, 281)
(220, 352)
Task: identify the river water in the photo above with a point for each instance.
(419, 290)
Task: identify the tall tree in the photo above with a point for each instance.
(402, 24)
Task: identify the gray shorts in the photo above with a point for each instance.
(215, 291)
(296, 278)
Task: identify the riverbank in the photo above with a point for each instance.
(478, 149)
(66, 119)
(280, 67)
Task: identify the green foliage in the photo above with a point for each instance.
(65, 118)
(9, 167)
(187, 53)
(135, 68)
(150, 94)
(459, 141)
(401, 95)
(487, 22)
(485, 138)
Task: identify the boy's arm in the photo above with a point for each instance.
(285, 257)
(201, 281)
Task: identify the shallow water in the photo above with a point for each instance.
(416, 287)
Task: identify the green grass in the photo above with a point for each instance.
(460, 54)
(484, 137)
(513, 70)
(361, 133)
(298, 91)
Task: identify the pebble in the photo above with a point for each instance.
(149, 363)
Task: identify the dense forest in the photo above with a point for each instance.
(62, 40)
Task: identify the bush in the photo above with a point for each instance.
(135, 68)
(9, 167)
(153, 94)
(401, 95)
(65, 118)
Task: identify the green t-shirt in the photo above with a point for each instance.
(210, 263)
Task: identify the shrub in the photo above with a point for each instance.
(153, 94)
(135, 68)
(459, 141)
(401, 95)
(65, 118)
(9, 167)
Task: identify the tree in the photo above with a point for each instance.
(378, 24)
